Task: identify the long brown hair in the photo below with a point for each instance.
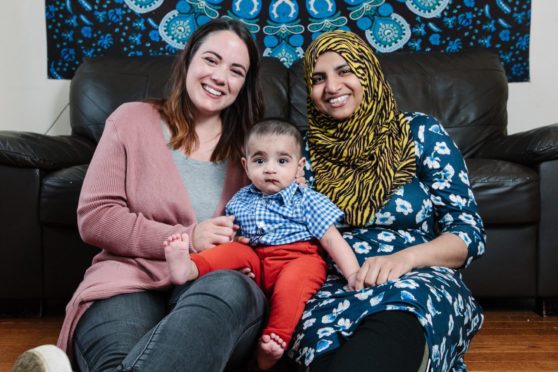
(178, 110)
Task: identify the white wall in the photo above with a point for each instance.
(31, 102)
(28, 100)
(535, 104)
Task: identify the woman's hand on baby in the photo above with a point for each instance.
(240, 239)
(214, 231)
(381, 269)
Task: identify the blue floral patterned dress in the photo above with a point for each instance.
(439, 199)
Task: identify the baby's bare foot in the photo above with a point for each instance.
(181, 267)
(270, 350)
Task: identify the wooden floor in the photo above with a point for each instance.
(20, 334)
(508, 341)
(515, 341)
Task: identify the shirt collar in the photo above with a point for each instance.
(286, 195)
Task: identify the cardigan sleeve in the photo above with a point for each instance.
(105, 219)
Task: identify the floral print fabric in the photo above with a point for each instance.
(438, 200)
(283, 28)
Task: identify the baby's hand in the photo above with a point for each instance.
(248, 272)
(352, 282)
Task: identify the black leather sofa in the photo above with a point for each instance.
(514, 177)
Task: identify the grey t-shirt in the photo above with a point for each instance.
(204, 180)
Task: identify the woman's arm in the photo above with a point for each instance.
(442, 169)
(105, 218)
(446, 250)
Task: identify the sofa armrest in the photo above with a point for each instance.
(547, 281)
(33, 150)
(20, 237)
(529, 148)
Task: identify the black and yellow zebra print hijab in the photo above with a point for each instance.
(360, 161)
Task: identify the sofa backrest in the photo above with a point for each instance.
(466, 91)
(102, 84)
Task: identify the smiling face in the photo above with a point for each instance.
(336, 90)
(217, 73)
(272, 161)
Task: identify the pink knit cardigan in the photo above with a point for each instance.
(132, 199)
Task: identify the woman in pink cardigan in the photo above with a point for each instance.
(164, 168)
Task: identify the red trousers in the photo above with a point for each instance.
(288, 274)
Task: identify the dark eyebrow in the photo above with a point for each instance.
(337, 68)
(263, 153)
(214, 53)
(221, 58)
(285, 154)
(341, 66)
(258, 153)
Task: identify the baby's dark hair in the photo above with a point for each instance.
(275, 126)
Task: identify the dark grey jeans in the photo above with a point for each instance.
(201, 326)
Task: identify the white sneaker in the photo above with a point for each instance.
(44, 358)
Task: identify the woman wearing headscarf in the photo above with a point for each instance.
(410, 217)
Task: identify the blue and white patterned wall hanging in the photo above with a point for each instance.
(283, 28)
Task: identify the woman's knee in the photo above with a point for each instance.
(110, 328)
(229, 289)
(378, 344)
(232, 282)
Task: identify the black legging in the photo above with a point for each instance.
(388, 341)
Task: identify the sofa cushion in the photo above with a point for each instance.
(65, 259)
(506, 193)
(60, 194)
(509, 266)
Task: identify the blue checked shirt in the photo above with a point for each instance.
(293, 214)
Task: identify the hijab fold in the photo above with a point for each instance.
(359, 161)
